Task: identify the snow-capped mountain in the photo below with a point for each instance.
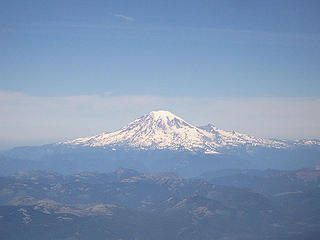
(164, 130)
(162, 141)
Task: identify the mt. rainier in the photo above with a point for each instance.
(162, 141)
(164, 130)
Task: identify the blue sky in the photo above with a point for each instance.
(211, 48)
(196, 50)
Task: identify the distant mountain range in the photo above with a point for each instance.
(126, 204)
(162, 141)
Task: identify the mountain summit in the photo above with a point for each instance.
(164, 130)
